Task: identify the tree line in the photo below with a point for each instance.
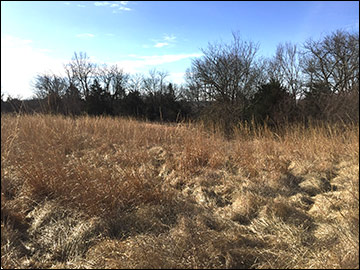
(230, 83)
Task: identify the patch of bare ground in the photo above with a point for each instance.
(118, 193)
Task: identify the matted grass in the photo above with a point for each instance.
(101, 192)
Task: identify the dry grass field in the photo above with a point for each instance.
(119, 193)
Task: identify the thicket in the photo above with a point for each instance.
(229, 84)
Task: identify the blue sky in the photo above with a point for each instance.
(41, 36)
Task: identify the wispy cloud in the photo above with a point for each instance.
(81, 6)
(99, 4)
(124, 8)
(116, 7)
(67, 3)
(161, 44)
(352, 26)
(86, 35)
(167, 40)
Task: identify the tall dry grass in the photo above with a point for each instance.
(101, 192)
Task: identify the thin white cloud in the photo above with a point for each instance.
(121, 9)
(169, 38)
(352, 26)
(81, 6)
(125, 8)
(99, 4)
(67, 3)
(20, 63)
(86, 35)
(161, 44)
(117, 7)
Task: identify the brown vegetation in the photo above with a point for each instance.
(118, 193)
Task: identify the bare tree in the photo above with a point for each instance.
(113, 79)
(151, 82)
(81, 70)
(331, 66)
(333, 61)
(226, 77)
(195, 88)
(50, 87)
(49, 83)
(119, 81)
(227, 73)
(156, 82)
(285, 68)
(136, 82)
(105, 76)
(162, 80)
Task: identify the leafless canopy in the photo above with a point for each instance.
(226, 73)
(333, 61)
(114, 80)
(80, 71)
(155, 82)
(47, 84)
(285, 68)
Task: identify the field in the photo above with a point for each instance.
(119, 193)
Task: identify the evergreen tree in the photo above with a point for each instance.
(271, 103)
(73, 104)
(98, 101)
